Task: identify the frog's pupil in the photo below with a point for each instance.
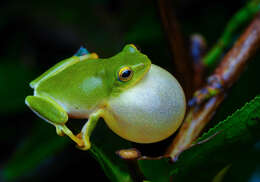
(126, 73)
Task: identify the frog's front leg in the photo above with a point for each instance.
(88, 128)
(53, 113)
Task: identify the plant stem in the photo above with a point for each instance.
(197, 51)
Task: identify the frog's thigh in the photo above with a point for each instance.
(53, 113)
(89, 127)
(47, 109)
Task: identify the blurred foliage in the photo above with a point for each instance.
(38, 34)
(242, 17)
(12, 97)
(33, 151)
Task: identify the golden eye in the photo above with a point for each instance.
(125, 74)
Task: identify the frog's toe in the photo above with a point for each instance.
(86, 143)
(79, 135)
(59, 131)
(86, 146)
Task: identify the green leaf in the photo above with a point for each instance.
(156, 170)
(220, 145)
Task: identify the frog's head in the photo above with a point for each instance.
(129, 67)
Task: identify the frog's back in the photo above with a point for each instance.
(54, 69)
(80, 88)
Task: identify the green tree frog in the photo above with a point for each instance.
(139, 101)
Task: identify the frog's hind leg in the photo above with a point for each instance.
(88, 128)
(53, 113)
(64, 130)
(47, 109)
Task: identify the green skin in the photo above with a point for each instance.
(80, 87)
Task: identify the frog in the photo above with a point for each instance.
(138, 100)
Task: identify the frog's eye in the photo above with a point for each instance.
(125, 74)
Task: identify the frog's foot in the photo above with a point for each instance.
(49, 110)
(87, 129)
(85, 147)
(86, 143)
(62, 129)
(59, 131)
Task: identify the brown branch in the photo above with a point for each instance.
(183, 68)
(207, 99)
(194, 123)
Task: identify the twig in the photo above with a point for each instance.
(197, 51)
(184, 71)
(241, 17)
(207, 99)
(194, 123)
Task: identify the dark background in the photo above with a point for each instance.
(34, 35)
